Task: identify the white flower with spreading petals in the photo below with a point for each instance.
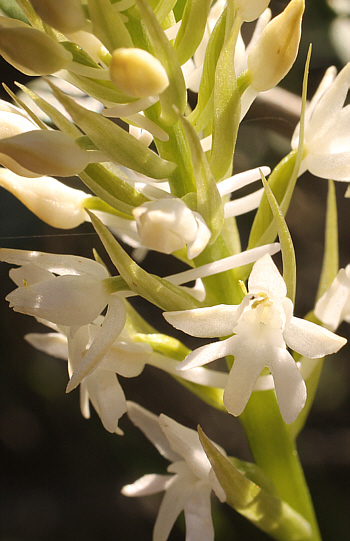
(327, 129)
(262, 326)
(334, 305)
(101, 388)
(189, 487)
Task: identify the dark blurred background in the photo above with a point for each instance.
(60, 474)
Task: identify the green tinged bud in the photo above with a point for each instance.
(277, 48)
(67, 16)
(30, 51)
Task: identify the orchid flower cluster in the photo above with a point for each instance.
(142, 101)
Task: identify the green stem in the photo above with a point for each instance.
(274, 450)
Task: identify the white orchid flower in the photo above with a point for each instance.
(166, 224)
(74, 298)
(263, 326)
(189, 486)
(334, 306)
(101, 387)
(327, 134)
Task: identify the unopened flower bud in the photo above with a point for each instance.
(167, 225)
(250, 10)
(30, 51)
(43, 152)
(276, 50)
(12, 122)
(67, 16)
(52, 201)
(137, 73)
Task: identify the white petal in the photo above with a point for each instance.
(311, 340)
(110, 329)
(330, 307)
(174, 501)
(148, 484)
(107, 397)
(126, 359)
(30, 274)
(84, 400)
(146, 124)
(66, 300)
(266, 277)
(237, 207)
(240, 180)
(329, 105)
(199, 522)
(56, 263)
(127, 109)
(327, 80)
(242, 377)
(289, 384)
(206, 354)
(338, 135)
(208, 322)
(222, 265)
(195, 247)
(247, 99)
(185, 442)
(217, 488)
(149, 424)
(334, 166)
(52, 343)
(197, 291)
(202, 376)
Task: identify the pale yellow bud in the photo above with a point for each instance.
(277, 48)
(50, 200)
(43, 152)
(137, 73)
(30, 51)
(67, 16)
(250, 10)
